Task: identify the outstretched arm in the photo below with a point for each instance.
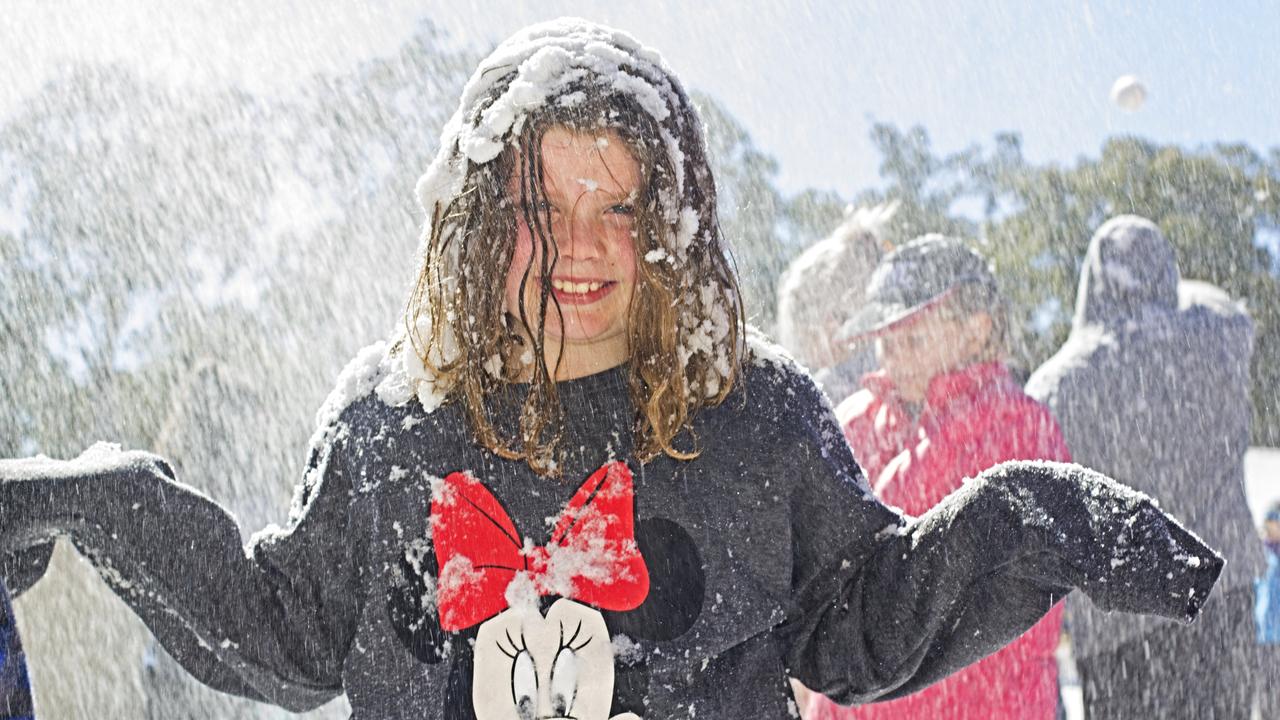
(271, 621)
(886, 604)
(972, 574)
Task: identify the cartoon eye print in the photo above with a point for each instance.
(553, 667)
(564, 680)
(524, 677)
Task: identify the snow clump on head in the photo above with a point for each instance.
(686, 316)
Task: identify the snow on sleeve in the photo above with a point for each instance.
(40, 466)
(101, 457)
(99, 451)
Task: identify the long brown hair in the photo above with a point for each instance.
(686, 324)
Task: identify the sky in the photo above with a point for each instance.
(807, 80)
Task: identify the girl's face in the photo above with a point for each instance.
(592, 183)
(934, 343)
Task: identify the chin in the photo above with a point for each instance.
(586, 333)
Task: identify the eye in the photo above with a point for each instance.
(626, 209)
(564, 681)
(524, 684)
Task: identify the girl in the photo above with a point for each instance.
(572, 486)
(942, 408)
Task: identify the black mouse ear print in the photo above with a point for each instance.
(411, 606)
(677, 584)
(457, 694)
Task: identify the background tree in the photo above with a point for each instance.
(749, 206)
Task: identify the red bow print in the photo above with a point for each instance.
(592, 556)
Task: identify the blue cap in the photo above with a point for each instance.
(913, 278)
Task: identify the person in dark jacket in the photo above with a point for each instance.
(15, 686)
(1152, 387)
(574, 484)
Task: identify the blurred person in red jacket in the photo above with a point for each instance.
(943, 407)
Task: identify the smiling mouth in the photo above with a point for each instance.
(581, 292)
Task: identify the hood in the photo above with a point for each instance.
(1129, 269)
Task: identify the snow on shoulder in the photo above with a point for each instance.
(356, 380)
(782, 371)
(376, 369)
(786, 371)
(763, 352)
(372, 371)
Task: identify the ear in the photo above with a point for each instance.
(677, 584)
(457, 693)
(417, 626)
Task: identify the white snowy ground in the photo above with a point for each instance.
(1262, 488)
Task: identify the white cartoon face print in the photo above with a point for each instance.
(557, 667)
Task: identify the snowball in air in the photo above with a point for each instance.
(1128, 93)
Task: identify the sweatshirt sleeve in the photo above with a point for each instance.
(271, 621)
(887, 604)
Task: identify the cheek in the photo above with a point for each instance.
(623, 254)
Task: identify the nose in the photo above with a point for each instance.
(583, 234)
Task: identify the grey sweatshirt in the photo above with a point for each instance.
(1152, 388)
(765, 556)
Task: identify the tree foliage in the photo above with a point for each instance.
(164, 231)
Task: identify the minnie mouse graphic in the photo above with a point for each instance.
(542, 645)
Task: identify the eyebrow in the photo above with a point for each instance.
(618, 193)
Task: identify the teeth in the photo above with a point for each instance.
(576, 288)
